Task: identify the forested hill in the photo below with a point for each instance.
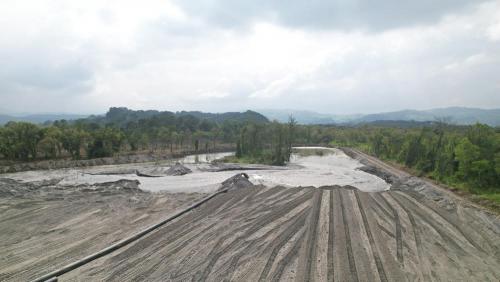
(456, 115)
(123, 130)
(248, 116)
(122, 117)
(39, 118)
(453, 115)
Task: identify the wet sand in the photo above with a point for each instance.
(333, 168)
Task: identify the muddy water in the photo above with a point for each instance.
(332, 167)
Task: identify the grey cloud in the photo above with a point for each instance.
(48, 77)
(43, 67)
(324, 14)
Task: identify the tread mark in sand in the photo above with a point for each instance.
(376, 257)
(176, 274)
(312, 236)
(331, 240)
(280, 267)
(169, 229)
(431, 222)
(449, 219)
(418, 240)
(399, 236)
(260, 222)
(384, 210)
(350, 256)
(281, 240)
(252, 243)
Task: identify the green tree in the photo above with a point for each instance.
(23, 140)
(51, 143)
(466, 153)
(73, 139)
(292, 128)
(106, 142)
(481, 170)
(238, 149)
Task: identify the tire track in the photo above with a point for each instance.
(399, 236)
(280, 267)
(449, 219)
(233, 231)
(175, 249)
(195, 220)
(281, 240)
(376, 256)
(435, 225)
(418, 240)
(350, 255)
(193, 217)
(379, 205)
(229, 211)
(313, 236)
(261, 222)
(331, 240)
(254, 242)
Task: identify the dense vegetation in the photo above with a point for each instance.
(268, 143)
(122, 130)
(467, 157)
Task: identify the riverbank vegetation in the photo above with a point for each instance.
(122, 130)
(269, 143)
(465, 157)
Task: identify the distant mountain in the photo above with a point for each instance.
(307, 117)
(456, 115)
(39, 118)
(249, 116)
(122, 116)
(397, 123)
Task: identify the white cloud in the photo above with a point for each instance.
(154, 54)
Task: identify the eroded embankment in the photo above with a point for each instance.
(10, 167)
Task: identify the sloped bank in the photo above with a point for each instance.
(120, 159)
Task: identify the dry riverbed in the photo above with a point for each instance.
(353, 219)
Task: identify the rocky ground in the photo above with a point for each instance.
(414, 231)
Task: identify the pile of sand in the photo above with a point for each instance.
(239, 181)
(178, 169)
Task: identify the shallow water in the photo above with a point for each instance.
(332, 168)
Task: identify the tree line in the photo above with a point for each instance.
(121, 130)
(467, 156)
(268, 143)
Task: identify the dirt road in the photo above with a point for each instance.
(414, 232)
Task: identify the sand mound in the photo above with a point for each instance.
(178, 169)
(239, 181)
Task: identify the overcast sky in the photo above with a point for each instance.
(331, 56)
